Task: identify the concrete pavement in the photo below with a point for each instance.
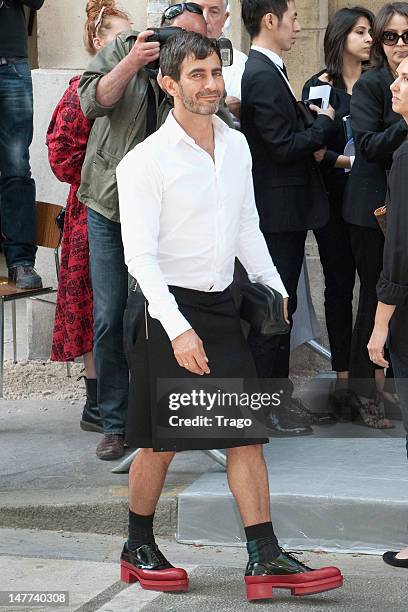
(86, 565)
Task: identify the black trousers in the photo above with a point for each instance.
(367, 245)
(339, 269)
(271, 355)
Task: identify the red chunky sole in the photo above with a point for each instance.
(264, 590)
(130, 574)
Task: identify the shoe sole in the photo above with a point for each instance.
(264, 590)
(130, 575)
(24, 286)
(86, 426)
(110, 457)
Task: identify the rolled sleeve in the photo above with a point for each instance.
(391, 293)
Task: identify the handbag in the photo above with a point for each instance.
(262, 307)
(381, 218)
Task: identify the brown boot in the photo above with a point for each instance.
(111, 447)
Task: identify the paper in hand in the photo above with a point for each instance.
(323, 92)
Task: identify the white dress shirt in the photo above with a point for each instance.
(233, 74)
(277, 60)
(185, 218)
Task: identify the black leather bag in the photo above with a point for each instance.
(262, 307)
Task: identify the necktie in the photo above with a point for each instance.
(285, 72)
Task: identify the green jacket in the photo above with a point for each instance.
(117, 129)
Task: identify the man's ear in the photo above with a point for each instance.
(170, 86)
(225, 17)
(269, 21)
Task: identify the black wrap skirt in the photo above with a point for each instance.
(150, 356)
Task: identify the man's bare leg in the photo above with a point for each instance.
(248, 480)
(141, 559)
(146, 479)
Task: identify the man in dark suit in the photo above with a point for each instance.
(289, 192)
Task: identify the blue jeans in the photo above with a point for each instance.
(109, 278)
(17, 188)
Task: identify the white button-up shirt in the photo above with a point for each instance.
(185, 218)
(233, 74)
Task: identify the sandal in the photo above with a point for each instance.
(372, 413)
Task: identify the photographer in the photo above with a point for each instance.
(17, 188)
(124, 99)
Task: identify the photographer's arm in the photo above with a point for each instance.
(105, 79)
(111, 87)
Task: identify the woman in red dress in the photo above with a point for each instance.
(67, 138)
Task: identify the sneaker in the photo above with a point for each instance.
(25, 277)
(287, 572)
(111, 447)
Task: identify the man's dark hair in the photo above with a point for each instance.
(378, 57)
(254, 10)
(185, 44)
(340, 26)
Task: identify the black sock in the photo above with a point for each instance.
(262, 543)
(140, 530)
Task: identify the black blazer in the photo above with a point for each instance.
(378, 132)
(289, 191)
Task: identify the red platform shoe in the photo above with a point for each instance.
(149, 566)
(286, 572)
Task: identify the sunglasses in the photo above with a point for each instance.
(175, 10)
(392, 38)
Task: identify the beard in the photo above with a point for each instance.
(193, 104)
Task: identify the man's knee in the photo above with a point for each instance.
(251, 450)
(164, 458)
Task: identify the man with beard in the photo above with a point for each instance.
(187, 209)
(124, 99)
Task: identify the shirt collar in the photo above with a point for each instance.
(274, 57)
(176, 132)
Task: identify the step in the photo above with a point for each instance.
(335, 492)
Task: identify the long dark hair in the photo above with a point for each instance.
(340, 26)
(378, 57)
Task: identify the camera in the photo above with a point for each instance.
(162, 35)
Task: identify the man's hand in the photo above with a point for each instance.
(189, 353)
(234, 106)
(319, 155)
(376, 345)
(285, 310)
(143, 52)
(112, 86)
(328, 112)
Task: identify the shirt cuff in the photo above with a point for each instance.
(391, 293)
(330, 158)
(276, 283)
(174, 323)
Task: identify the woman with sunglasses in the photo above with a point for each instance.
(67, 138)
(378, 132)
(347, 45)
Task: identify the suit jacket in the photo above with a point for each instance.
(289, 191)
(378, 132)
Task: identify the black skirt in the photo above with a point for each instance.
(150, 356)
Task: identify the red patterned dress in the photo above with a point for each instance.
(67, 137)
